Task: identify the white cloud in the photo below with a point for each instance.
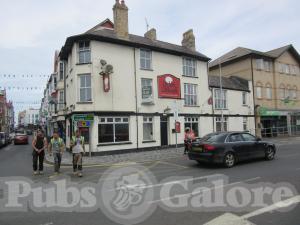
(31, 30)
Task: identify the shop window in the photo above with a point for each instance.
(113, 129)
(192, 123)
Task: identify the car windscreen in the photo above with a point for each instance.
(214, 138)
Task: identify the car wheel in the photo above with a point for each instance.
(229, 160)
(270, 153)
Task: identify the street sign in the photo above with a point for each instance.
(83, 117)
(84, 123)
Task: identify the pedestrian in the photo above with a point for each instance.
(78, 150)
(56, 147)
(189, 137)
(39, 144)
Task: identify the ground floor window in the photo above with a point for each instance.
(147, 128)
(113, 129)
(245, 123)
(192, 123)
(219, 124)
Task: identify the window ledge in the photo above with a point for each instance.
(190, 76)
(244, 105)
(192, 106)
(148, 103)
(78, 64)
(147, 69)
(115, 143)
(153, 141)
(82, 103)
(220, 109)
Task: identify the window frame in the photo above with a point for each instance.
(189, 67)
(269, 94)
(113, 122)
(244, 98)
(61, 71)
(220, 100)
(61, 100)
(150, 97)
(148, 120)
(144, 67)
(190, 97)
(218, 119)
(190, 120)
(245, 123)
(84, 50)
(86, 87)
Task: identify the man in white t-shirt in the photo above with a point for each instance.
(78, 149)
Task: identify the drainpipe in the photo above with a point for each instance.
(136, 101)
(254, 101)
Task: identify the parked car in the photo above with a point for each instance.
(21, 138)
(29, 132)
(2, 139)
(228, 148)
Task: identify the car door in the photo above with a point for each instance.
(236, 142)
(255, 148)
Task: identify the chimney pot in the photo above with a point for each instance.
(188, 40)
(151, 34)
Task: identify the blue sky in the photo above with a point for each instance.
(31, 30)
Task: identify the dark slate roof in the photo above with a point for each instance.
(108, 35)
(241, 52)
(231, 83)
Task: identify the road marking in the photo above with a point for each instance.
(201, 191)
(275, 206)
(231, 219)
(167, 183)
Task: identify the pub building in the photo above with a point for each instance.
(128, 92)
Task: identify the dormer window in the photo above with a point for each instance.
(84, 52)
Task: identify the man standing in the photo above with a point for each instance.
(39, 145)
(78, 149)
(57, 147)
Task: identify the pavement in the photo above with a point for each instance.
(17, 161)
(144, 156)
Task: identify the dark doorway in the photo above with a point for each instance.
(164, 130)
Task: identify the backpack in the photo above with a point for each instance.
(81, 139)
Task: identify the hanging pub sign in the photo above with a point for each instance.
(106, 70)
(169, 86)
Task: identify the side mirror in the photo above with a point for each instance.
(258, 139)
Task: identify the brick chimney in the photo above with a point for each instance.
(151, 34)
(120, 11)
(188, 40)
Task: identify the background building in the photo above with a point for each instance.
(276, 80)
(235, 102)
